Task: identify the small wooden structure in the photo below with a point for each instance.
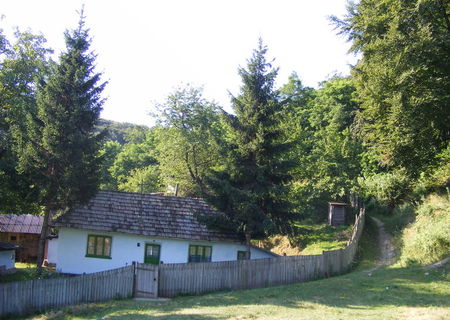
(336, 213)
(23, 230)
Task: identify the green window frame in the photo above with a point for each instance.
(152, 253)
(200, 253)
(241, 255)
(98, 246)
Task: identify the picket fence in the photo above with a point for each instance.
(39, 295)
(178, 279)
(196, 278)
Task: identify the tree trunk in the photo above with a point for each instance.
(42, 240)
(248, 237)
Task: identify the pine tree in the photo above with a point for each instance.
(59, 146)
(251, 190)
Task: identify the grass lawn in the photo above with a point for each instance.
(388, 293)
(27, 271)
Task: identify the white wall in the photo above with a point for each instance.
(52, 250)
(72, 244)
(7, 259)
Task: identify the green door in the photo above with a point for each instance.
(152, 252)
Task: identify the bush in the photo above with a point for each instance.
(427, 240)
(390, 189)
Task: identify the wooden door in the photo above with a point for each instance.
(146, 285)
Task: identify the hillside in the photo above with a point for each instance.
(117, 131)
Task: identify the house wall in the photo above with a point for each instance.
(72, 245)
(7, 259)
(52, 250)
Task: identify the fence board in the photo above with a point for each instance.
(196, 278)
(39, 295)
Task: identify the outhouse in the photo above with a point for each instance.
(336, 213)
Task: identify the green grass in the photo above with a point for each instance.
(316, 238)
(387, 293)
(27, 271)
(427, 240)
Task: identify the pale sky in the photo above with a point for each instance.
(147, 48)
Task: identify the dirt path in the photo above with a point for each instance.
(386, 246)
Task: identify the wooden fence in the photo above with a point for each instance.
(39, 295)
(195, 278)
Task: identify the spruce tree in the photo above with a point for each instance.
(251, 188)
(59, 146)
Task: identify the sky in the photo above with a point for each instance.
(147, 48)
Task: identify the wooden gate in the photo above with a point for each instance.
(146, 281)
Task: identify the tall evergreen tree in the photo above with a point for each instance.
(251, 189)
(59, 146)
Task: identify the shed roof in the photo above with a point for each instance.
(22, 223)
(338, 203)
(4, 246)
(144, 214)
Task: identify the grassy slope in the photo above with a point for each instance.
(389, 293)
(313, 239)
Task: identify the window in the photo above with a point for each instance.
(241, 255)
(13, 238)
(99, 247)
(200, 253)
(152, 252)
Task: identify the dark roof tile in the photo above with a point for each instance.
(22, 223)
(144, 214)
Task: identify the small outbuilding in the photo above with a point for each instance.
(7, 256)
(22, 230)
(337, 213)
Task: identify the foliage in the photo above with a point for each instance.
(427, 240)
(252, 186)
(403, 79)
(144, 180)
(131, 157)
(328, 152)
(20, 65)
(186, 147)
(108, 153)
(27, 271)
(56, 143)
(120, 132)
(388, 188)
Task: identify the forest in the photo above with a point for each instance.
(279, 157)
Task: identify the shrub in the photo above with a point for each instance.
(427, 240)
(388, 188)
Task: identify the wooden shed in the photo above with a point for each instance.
(336, 213)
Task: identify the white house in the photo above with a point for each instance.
(7, 256)
(116, 228)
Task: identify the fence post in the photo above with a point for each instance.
(134, 278)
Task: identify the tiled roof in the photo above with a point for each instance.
(22, 223)
(8, 246)
(144, 214)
